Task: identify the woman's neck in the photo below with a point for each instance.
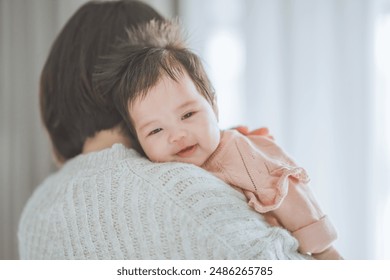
(105, 139)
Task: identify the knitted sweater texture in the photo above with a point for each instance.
(114, 204)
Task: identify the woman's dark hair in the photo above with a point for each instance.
(70, 108)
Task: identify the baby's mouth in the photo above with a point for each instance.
(187, 152)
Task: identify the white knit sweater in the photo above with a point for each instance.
(114, 204)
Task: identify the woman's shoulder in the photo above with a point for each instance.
(179, 183)
(123, 173)
(130, 208)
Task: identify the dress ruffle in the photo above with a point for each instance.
(257, 166)
(270, 198)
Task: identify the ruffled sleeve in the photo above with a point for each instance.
(274, 186)
(257, 166)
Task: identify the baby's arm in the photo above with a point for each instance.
(276, 187)
(301, 215)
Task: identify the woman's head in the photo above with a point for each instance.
(71, 110)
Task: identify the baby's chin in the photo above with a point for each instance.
(197, 160)
(173, 159)
(194, 161)
(188, 161)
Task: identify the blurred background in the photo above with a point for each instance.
(315, 72)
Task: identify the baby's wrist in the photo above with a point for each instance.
(329, 254)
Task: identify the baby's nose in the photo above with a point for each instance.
(177, 135)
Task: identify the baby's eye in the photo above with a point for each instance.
(188, 115)
(155, 131)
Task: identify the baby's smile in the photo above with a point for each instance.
(187, 151)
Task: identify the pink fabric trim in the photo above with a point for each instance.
(316, 237)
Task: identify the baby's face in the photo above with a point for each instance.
(174, 122)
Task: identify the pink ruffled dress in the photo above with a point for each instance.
(274, 186)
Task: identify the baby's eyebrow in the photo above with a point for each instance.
(146, 124)
(186, 104)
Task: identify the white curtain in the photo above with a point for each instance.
(308, 70)
(380, 157)
(27, 29)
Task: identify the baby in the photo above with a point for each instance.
(168, 103)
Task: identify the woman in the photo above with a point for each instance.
(107, 202)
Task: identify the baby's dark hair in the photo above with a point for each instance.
(152, 51)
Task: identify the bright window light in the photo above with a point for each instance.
(382, 129)
(226, 58)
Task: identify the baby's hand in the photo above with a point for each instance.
(263, 131)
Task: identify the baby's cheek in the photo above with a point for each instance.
(158, 154)
(214, 144)
(215, 136)
(149, 151)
